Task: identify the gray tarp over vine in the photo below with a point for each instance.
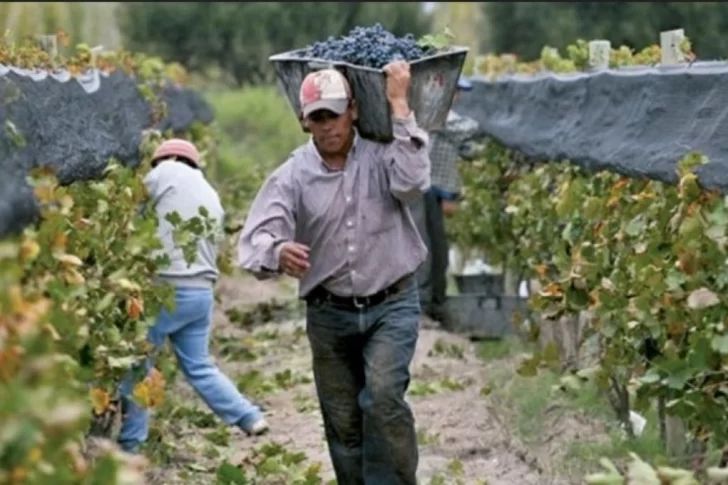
(636, 121)
(75, 128)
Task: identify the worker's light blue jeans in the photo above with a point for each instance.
(188, 329)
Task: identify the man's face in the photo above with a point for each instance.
(331, 131)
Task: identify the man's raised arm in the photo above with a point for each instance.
(407, 158)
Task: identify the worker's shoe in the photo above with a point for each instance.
(257, 427)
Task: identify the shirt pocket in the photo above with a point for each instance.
(380, 215)
(316, 206)
(377, 181)
(380, 210)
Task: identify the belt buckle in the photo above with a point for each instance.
(359, 302)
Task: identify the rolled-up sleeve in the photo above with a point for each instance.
(408, 161)
(270, 222)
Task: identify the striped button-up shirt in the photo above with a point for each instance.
(446, 144)
(355, 221)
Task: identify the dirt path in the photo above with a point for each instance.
(462, 441)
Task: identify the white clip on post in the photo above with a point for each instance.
(670, 43)
(599, 54)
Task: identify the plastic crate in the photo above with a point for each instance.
(481, 283)
(484, 317)
(434, 80)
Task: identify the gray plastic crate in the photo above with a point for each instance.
(482, 283)
(484, 317)
(434, 80)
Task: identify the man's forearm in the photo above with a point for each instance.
(400, 109)
(408, 159)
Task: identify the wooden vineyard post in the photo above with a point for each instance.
(675, 429)
(510, 60)
(565, 332)
(95, 51)
(511, 281)
(49, 44)
(675, 437)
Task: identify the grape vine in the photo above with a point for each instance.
(76, 298)
(645, 259)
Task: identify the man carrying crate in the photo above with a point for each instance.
(336, 216)
(447, 146)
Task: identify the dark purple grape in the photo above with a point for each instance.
(372, 46)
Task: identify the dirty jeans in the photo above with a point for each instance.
(188, 328)
(361, 364)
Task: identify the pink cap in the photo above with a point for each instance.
(326, 89)
(179, 148)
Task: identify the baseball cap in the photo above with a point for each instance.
(325, 89)
(177, 147)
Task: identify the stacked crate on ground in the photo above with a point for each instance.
(482, 310)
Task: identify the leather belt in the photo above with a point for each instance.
(320, 294)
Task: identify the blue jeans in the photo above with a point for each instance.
(188, 328)
(361, 364)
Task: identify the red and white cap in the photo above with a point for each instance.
(179, 148)
(326, 89)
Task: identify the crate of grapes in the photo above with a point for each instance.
(360, 56)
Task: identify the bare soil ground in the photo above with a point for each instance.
(466, 434)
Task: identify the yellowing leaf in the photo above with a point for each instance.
(18, 475)
(141, 394)
(27, 313)
(100, 400)
(552, 290)
(9, 362)
(53, 332)
(35, 455)
(44, 193)
(66, 202)
(69, 259)
(73, 277)
(29, 250)
(149, 393)
(134, 308)
(127, 285)
(59, 242)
